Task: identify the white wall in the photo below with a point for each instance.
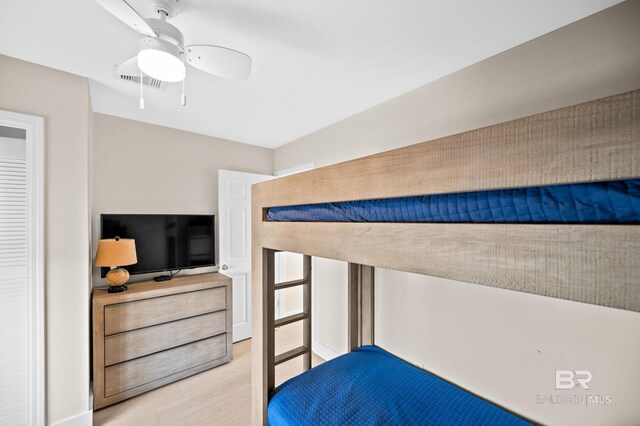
(288, 268)
(328, 292)
(144, 168)
(592, 58)
(63, 100)
(501, 344)
(506, 346)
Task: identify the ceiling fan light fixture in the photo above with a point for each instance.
(161, 60)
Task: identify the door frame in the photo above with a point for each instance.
(34, 127)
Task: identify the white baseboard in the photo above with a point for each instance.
(90, 395)
(323, 351)
(82, 419)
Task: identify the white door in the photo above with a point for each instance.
(21, 270)
(234, 221)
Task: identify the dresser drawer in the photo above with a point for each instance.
(133, 315)
(130, 374)
(134, 344)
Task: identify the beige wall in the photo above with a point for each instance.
(503, 345)
(63, 100)
(144, 168)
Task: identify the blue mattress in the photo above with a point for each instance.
(614, 202)
(369, 386)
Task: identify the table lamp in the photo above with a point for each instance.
(114, 253)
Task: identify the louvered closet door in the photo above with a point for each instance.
(14, 290)
(17, 367)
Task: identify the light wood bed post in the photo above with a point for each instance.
(269, 277)
(306, 306)
(361, 305)
(263, 308)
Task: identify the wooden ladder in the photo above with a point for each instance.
(272, 323)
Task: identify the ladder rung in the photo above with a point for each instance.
(294, 283)
(286, 356)
(291, 318)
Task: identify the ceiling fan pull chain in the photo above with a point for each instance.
(141, 102)
(183, 98)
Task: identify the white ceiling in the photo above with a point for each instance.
(314, 62)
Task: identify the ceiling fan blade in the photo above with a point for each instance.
(220, 61)
(124, 12)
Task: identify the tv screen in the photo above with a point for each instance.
(164, 242)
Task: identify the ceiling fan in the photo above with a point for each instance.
(162, 54)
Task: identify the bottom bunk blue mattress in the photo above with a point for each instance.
(369, 386)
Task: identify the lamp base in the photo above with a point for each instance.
(117, 276)
(116, 279)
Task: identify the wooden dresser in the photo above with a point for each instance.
(157, 333)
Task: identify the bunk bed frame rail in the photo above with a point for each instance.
(596, 264)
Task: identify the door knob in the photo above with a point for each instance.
(225, 267)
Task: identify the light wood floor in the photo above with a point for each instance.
(220, 396)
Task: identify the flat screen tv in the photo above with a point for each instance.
(164, 242)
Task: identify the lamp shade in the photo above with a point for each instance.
(116, 252)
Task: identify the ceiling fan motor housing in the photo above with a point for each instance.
(169, 7)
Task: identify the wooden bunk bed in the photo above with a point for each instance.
(594, 263)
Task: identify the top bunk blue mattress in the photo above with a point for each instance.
(612, 202)
(369, 386)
